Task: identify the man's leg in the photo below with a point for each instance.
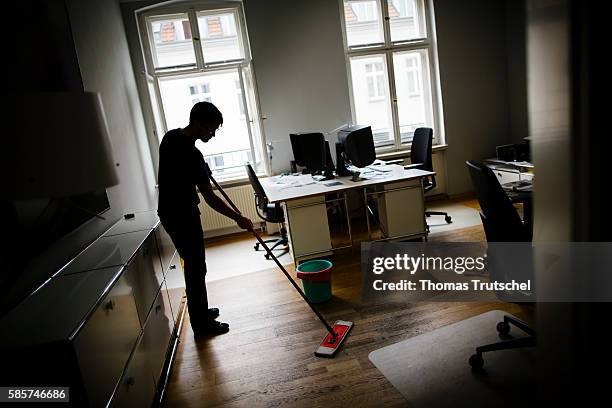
(189, 241)
(195, 283)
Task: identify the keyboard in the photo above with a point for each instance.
(521, 185)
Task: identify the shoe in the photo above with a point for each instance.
(211, 327)
(212, 313)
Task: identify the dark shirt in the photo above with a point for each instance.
(181, 169)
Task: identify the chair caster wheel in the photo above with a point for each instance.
(256, 246)
(448, 219)
(503, 328)
(267, 256)
(476, 361)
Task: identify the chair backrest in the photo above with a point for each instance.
(502, 224)
(420, 152)
(499, 217)
(262, 199)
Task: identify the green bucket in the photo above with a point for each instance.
(316, 278)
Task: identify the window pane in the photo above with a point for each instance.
(171, 41)
(370, 96)
(363, 25)
(414, 104)
(228, 150)
(406, 19)
(220, 37)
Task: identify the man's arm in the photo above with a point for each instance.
(217, 204)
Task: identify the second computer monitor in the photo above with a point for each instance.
(310, 150)
(358, 145)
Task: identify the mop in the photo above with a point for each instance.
(336, 334)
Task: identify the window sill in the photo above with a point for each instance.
(400, 154)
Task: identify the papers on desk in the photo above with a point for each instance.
(373, 175)
(385, 168)
(293, 181)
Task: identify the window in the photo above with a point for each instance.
(215, 66)
(413, 86)
(363, 23)
(375, 77)
(390, 53)
(200, 93)
(239, 97)
(220, 39)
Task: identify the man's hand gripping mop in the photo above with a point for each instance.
(336, 334)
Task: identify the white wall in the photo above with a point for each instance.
(473, 76)
(106, 68)
(300, 69)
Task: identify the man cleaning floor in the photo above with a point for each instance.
(182, 169)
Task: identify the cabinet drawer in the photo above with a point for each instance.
(105, 342)
(175, 283)
(165, 245)
(136, 388)
(145, 274)
(157, 333)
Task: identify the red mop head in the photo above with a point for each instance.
(330, 344)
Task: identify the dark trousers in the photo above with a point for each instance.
(186, 234)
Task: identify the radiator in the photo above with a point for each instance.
(242, 196)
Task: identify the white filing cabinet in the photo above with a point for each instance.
(397, 219)
(106, 324)
(308, 227)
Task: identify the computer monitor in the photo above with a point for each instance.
(296, 146)
(310, 150)
(355, 145)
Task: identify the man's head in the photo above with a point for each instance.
(206, 119)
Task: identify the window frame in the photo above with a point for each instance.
(388, 48)
(243, 66)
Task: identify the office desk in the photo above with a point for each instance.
(399, 194)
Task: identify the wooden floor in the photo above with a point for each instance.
(267, 357)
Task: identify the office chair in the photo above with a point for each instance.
(420, 155)
(267, 212)
(501, 223)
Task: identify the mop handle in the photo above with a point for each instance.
(282, 268)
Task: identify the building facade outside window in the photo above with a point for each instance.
(214, 66)
(391, 58)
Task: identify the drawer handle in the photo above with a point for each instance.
(130, 381)
(110, 305)
(145, 251)
(172, 266)
(157, 308)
